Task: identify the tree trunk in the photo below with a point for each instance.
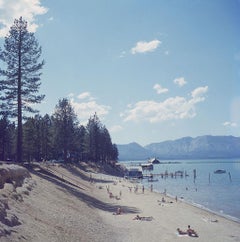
(19, 97)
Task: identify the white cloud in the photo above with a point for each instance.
(85, 95)
(13, 9)
(180, 81)
(143, 46)
(160, 89)
(230, 124)
(197, 94)
(115, 128)
(172, 108)
(86, 106)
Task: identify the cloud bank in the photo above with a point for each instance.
(13, 9)
(85, 106)
(172, 108)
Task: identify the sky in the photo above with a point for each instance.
(152, 70)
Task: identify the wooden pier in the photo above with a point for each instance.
(167, 174)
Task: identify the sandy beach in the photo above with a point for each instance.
(73, 204)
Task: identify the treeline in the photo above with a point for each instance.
(58, 137)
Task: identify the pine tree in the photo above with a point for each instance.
(93, 138)
(21, 81)
(106, 145)
(65, 124)
(114, 152)
(6, 138)
(31, 139)
(46, 137)
(79, 144)
(98, 143)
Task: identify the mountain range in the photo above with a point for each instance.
(201, 147)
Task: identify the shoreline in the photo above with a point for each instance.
(199, 206)
(226, 216)
(193, 204)
(68, 203)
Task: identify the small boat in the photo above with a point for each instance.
(150, 179)
(219, 171)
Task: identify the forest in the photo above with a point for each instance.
(58, 137)
(24, 134)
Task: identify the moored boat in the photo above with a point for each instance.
(219, 171)
(151, 179)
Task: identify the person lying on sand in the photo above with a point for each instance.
(119, 211)
(191, 232)
(164, 201)
(181, 232)
(143, 218)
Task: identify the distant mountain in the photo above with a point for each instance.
(132, 151)
(185, 148)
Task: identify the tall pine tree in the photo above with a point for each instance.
(92, 138)
(64, 124)
(21, 81)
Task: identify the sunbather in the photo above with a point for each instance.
(119, 211)
(181, 232)
(191, 232)
(150, 218)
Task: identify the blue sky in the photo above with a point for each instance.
(152, 70)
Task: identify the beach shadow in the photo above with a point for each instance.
(75, 170)
(74, 190)
(50, 173)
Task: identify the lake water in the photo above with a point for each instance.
(219, 193)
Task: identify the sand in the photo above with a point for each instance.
(80, 209)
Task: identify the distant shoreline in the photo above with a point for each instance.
(186, 161)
